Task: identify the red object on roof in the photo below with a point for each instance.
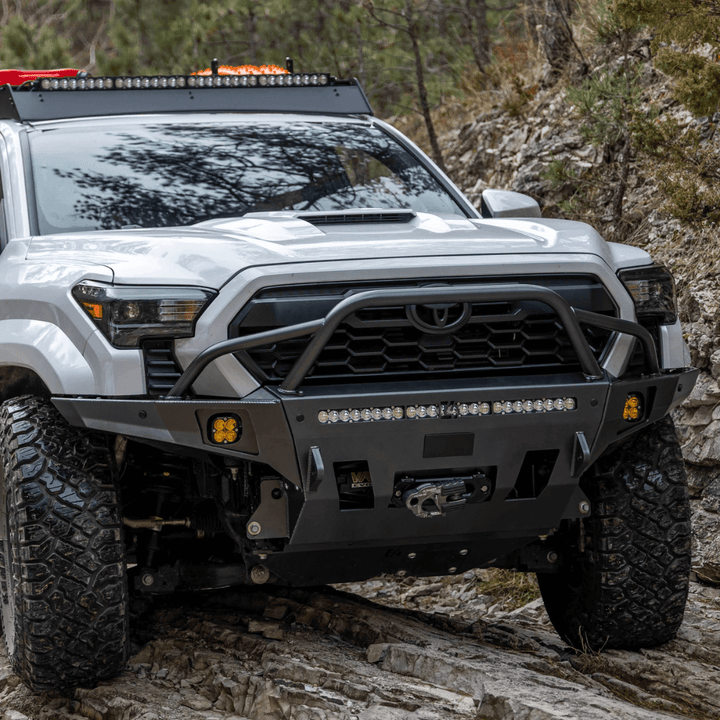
(18, 77)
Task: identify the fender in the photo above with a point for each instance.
(45, 349)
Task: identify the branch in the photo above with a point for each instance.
(370, 7)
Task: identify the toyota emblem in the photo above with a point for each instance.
(439, 318)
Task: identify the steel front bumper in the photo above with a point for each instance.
(327, 540)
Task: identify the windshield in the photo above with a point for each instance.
(168, 174)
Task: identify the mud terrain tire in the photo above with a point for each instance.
(628, 588)
(62, 575)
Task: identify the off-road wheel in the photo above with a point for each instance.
(62, 575)
(624, 581)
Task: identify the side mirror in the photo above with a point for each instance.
(507, 204)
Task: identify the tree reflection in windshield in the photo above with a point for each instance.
(159, 175)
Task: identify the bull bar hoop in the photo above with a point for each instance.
(323, 329)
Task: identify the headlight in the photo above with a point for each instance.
(125, 314)
(653, 291)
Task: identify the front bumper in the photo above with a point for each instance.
(529, 462)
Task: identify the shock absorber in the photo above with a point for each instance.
(169, 472)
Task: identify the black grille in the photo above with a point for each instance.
(161, 368)
(384, 343)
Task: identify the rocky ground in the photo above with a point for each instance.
(327, 654)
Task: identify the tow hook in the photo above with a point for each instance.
(436, 498)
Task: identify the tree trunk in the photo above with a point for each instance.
(422, 90)
(478, 32)
(555, 35)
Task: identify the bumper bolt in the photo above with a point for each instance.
(452, 570)
(552, 556)
(401, 573)
(148, 579)
(259, 574)
(584, 507)
(412, 556)
(254, 528)
(463, 552)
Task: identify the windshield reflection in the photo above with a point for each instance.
(160, 175)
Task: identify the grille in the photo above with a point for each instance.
(383, 344)
(161, 368)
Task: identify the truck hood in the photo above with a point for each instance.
(211, 253)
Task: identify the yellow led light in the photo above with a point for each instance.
(633, 411)
(224, 429)
(95, 310)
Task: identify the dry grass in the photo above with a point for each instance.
(512, 589)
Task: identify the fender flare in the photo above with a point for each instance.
(45, 349)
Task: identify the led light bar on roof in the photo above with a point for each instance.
(162, 82)
(54, 98)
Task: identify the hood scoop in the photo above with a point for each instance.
(358, 217)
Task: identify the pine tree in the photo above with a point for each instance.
(694, 27)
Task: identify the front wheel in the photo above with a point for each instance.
(624, 582)
(62, 575)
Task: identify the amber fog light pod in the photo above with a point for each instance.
(224, 429)
(633, 410)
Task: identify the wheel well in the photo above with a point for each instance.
(16, 381)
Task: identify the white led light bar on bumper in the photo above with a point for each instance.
(444, 410)
(159, 82)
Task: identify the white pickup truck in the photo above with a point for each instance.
(251, 334)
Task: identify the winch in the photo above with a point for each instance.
(431, 497)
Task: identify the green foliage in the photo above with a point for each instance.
(606, 24)
(338, 36)
(698, 86)
(24, 44)
(605, 102)
(691, 25)
(688, 169)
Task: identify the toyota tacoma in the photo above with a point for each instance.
(251, 334)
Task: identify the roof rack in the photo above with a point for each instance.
(72, 97)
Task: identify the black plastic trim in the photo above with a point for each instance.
(29, 183)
